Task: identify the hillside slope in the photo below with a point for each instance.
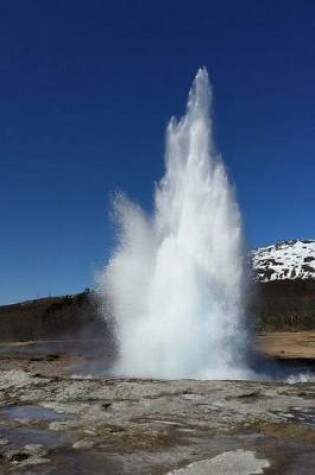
(69, 316)
(285, 305)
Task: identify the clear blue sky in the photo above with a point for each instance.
(86, 90)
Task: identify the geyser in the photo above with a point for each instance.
(175, 284)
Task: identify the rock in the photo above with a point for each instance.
(236, 462)
(37, 449)
(83, 444)
(16, 456)
(91, 433)
(33, 454)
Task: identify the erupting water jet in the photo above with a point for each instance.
(176, 284)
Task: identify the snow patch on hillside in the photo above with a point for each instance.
(293, 259)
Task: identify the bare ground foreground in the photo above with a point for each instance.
(61, 414)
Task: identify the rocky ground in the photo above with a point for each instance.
(55, 418)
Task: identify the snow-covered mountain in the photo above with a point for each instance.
(285, 260)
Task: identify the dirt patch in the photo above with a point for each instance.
(287, 344)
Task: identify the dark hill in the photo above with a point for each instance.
(286, 305)
(281, 305)
(70, 316)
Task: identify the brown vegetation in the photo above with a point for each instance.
(286, 305)
(51, 318)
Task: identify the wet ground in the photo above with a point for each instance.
(58, 417)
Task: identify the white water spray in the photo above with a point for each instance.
(175, 284)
